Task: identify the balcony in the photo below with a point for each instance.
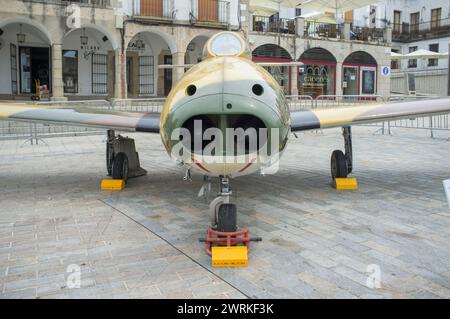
(406, 32)
(266, 24)
(317, 30)
(210, 12)
(155, 9)
(368, 34)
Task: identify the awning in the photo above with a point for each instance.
(268, 7)
(396, 56)
(333, 5)
(320, 18)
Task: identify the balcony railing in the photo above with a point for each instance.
(323, 30)
(409, 32)
(265, 24)
(210, 11)
(154, 8)
(91, 3)
(367, 34)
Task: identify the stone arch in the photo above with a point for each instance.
(195, 49)
(111, 36)
(317, 54)
(22, 20)
(360, 57)
(271, 50)
(168, 39)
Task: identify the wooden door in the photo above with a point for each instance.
(151, 8)
(349, 17)
(208, 10)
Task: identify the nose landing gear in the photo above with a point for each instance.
(224, 230)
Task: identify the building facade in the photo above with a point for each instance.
(416, 25)
(98, 49)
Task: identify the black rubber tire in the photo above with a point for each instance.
(338, 165)
(109, 158)
(227, 218)
(120, 167)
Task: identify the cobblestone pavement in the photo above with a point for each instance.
(143, 242)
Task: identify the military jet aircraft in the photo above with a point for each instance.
(225, 92)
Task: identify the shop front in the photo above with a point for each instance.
(359, 75)
(275, 53)
(317, 77)
(25, 62)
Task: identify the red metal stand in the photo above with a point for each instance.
(227, 239)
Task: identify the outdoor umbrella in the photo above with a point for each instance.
(425, 54)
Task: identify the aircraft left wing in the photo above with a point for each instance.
(343, 116)
(87, 117)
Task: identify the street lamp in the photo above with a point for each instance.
(21, 36)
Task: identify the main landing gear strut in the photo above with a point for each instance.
(224, 230)
(342, 164)
(122, 160)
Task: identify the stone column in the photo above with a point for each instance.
(246, 23)
(388, 35)
(300, 27)
(57, 78)
(448, 74)
(177, 59)
(346, 31)
(339, 90)
(294, 80)
(119, 89)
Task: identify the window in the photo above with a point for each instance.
(413, 62)
(414, 22)
(146, 75)
(434, 48)
(99, 74)
(368, 82)
(397, 21)
(13, 50)
(70, 71)
(436, 18)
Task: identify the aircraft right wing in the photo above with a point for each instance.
(343, 116)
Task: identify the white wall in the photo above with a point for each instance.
(385, 10)
(72, 42)
(421, 64)
(183, 8)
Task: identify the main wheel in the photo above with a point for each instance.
(109, 158)
(120, 167)
(227, 218)
(338, 165)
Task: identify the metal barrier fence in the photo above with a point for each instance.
(31, 132)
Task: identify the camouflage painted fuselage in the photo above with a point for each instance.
(223, 91)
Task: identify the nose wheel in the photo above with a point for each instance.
(224, 230)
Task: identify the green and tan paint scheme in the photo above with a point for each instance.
(224, 83)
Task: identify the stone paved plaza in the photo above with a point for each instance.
(143, 242)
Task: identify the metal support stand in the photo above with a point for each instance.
(347, 132)
(119, 144)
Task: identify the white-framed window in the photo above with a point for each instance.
(146, 75)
